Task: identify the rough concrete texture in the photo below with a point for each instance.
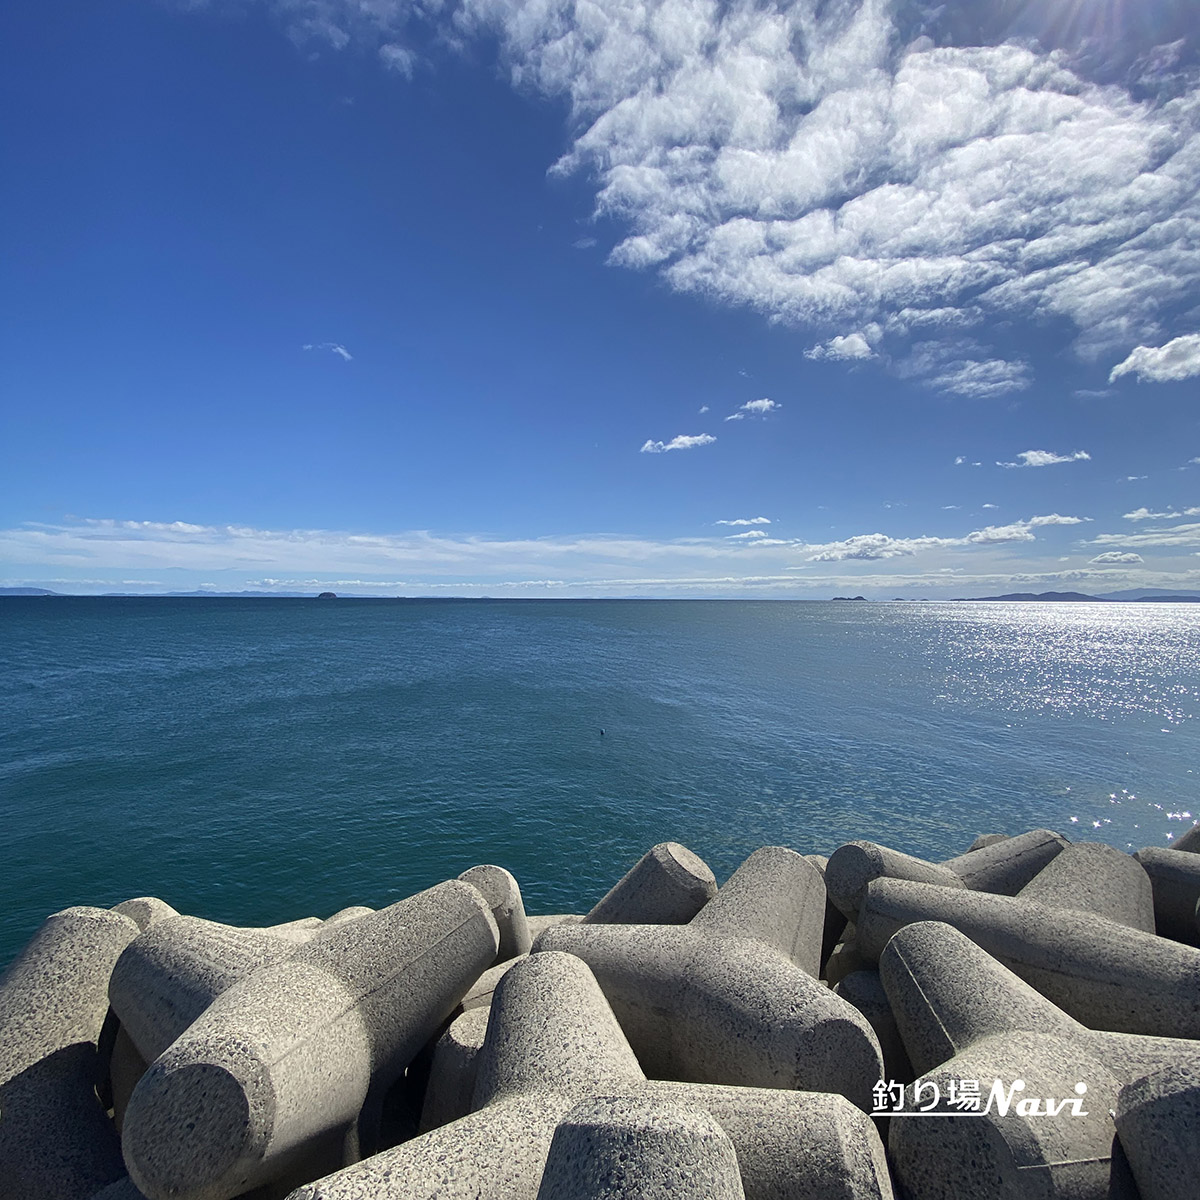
(480, 993)
(1158, 1122)
(1106, 975)
(1099, 879)
(612, 1148)
(454, 1070)
(984, 840)
(724, 1010)
(1019, 1155)
(299, 931)
(777, 897)
(123, 1189)
(551, 1029)
(852, 867)
(1189, 842)
(56, 1142)
(342, 916)
(145, 911)
(501, 891)
(170, 974)
(865, 990)
(668, 885)
(835, 919)
(539, 925)
(1175, 879)
(497, 1154)
(947, 995)
(126, 1066)
(790, 1145)
(1005, 867)
(845, 960)
(281, 1064)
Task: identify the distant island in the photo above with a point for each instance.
(1077, 597)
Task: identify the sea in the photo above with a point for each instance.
(258, 760)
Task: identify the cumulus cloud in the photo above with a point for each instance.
(1057, 519)
(1178, 359)
(848, 346)
(747, 521)
(754, 408)
(1045, 458)
(683, 441)
(1112, 558)
(333, 348)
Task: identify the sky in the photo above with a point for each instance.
(600, 298)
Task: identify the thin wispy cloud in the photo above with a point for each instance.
(1144, 514)
(1174, 536)
(1045, 458)
(1178, 359)
(682, 441)
(754, 408)
(750, 533)
(333, 348)
(746, 521)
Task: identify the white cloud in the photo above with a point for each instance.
(703, 409)
(750, 533)
(989, 506)
(1115, 558)
(1057, 519)
(849, 346)
(995, 535)
(333, 348)
(1176, 535)
(683, 441)
(1144, 514)
(747, 521)
(1178, 359)
(1045, 458)
(754, 408)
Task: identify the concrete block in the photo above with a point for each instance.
(1105, 975)
(1175, 880)
(865, 990)
(845, 960)
(835, 919)
(498, 1153)
(169, 975)
(948, 995)
(500, 889)
(1158, 1122)
(1017, 1155)
(298, 932)
(617, 1148)
(852, 867)
(552, 1030)
(56, 1141)
(721, 1010)
(480, 993)
(539, 925)
(777, 897)
(668, 885)
(454, 1070)
(1188, 842)
(145, 911)
(280, 1065)
(352, 913)
(1099, 879)
(790, 1145)
(1005, 867)
(984, 840)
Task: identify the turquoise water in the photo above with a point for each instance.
(254, 761)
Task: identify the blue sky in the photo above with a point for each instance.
(531, 297)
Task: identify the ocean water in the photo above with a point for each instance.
(254, 761)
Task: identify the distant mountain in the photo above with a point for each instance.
(6, 591)
(1070, 597)
(1150, 594)
(1147, 596)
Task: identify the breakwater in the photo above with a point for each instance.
(792, 1033)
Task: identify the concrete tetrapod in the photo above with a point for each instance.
(852, 867)
(1005, 867)
(777, 897)
(169, 975)
(453, 1071)
(56, 1143)
(668, 885)
(724, 1010)
(504, 895)
(620, 1148)
(947, 995)
(145, 911)
(1175, 878)
(1104, 974)
(835, 919)
(1098, 879)
(1189, 842)
(1158, 1122)
(280, 1065)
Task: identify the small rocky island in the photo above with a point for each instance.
(763, 1040)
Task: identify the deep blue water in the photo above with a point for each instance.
(258, 760)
